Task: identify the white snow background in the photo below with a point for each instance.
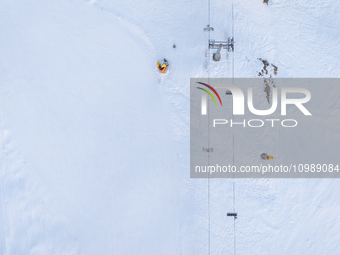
(94, 155)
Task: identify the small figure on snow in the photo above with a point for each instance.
(266, 157)
(162, 67)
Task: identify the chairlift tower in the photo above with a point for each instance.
(219, 45)
(228, 45)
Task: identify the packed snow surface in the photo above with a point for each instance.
(94, 155)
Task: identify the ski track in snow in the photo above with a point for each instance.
(130, 27)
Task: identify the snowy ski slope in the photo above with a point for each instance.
(95, 142)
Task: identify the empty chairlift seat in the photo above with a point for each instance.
(232, 215)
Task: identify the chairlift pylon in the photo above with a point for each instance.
(228, 45)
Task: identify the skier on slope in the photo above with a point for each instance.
(162, 67)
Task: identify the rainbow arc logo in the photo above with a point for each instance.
(208, 92)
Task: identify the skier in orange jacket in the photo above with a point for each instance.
(162, 67)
